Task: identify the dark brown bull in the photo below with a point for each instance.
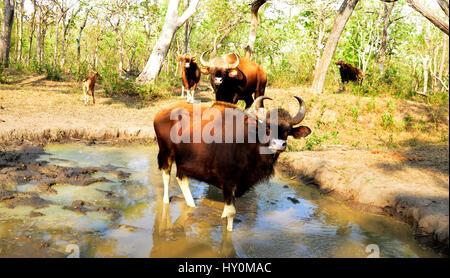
(235, 78)
(225, 163)
(190, 76)
(348, 72)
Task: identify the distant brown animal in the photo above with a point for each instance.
(190, 75)
(348, 72)
(89, 86)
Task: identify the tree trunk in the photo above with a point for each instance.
(425, 74)
(345, 11)
(187, 32)
(444, 6)
(20, 42)
(39, 32)
(386, 21)
(33, 28)
(437, 21)
(79, 37)
(250, 48)
(55, 52)
(171, 24)
(44, 33)
(442, 65)
(6, 28)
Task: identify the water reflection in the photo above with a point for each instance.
(278, 218)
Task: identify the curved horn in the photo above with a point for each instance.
(235, 64)
(301, 111)
(258, 101)
(202, 61)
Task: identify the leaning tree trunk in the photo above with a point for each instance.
(345, 11)
(6, 28)
(171, 24)
(436, 20)
(386, 20)
(250, 48)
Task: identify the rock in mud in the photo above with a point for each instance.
(46, 187)
(36, 214)
(293, 200)
(77, 206)
(13, 198)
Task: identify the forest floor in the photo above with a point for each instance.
(380, 154)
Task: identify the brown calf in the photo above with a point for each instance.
(89, 86)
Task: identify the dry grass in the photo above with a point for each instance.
(364, 122)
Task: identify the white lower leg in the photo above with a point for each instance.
(189, 96)
(182, 91)
(184, 185)
(229, 211)
(192, 96)
(166, 180)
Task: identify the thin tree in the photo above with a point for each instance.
(20, 15)
(6, 28)
(83, 25)
(345, 11)
(66, 33)
(32, 30)
(172, 23)
(381, 57)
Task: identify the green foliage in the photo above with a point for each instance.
(35, 67)
(313, 141)
(53, 73)
(287, 44)
(115, 84)
(2, 75)
(387, 121)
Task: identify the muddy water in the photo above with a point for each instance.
(279, 218)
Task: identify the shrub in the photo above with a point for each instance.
(2, 76)
(53, 73)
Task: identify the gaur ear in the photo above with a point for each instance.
(234, 73)
(194, 60)
(299, 132)
(205, 70)
(179, 59)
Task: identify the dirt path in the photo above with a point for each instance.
(410, 182)
(35, 109)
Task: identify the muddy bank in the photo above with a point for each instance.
(83, 135)
(19, 166)
(406, 187)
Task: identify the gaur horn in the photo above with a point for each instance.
(202, 61)
(301, 112)
(235, 64)
(259, 100)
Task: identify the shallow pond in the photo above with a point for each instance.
(278, 218)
